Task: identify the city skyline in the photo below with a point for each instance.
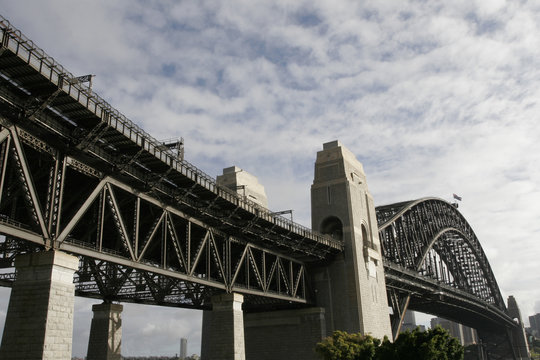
(434, 99)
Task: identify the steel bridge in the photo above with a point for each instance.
(149, 227)
(435, 264)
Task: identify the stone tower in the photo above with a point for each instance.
(519, 338)
(352, 288)
(243, 183)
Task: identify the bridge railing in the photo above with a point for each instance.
(400, 273)
(25, 49)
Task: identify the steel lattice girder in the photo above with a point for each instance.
(79, 176)
(37, 93)
(431, 252)
(409, 290)
(67, 141)
(102, 218)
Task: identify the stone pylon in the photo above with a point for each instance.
(223, 329)
(519, 339)
(105, 342)
(352, 288)
(39, 322)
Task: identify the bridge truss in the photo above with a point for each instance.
(435, 264)
(78, 176)
(147, 226)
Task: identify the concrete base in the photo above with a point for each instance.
(223, 329)
(105, 341)
(39, 322)
(290, 334)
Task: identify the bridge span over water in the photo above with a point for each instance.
(92, 205)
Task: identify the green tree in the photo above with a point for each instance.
(434, 344)
(344, 346)
(534, 345)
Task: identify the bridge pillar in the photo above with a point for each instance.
(352, 287)
(105, 342)
(285, 334)
(39, 321)
(223, 329)
(519, 339)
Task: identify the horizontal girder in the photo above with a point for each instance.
(148, 226)
(41, 98)
(56, 201)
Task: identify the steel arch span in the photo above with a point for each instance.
(434, 263)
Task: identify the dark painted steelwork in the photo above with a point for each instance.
(37, 96)
(79, 176)
(124, 236)
(435, 264)
(149, 227)
(431, 237)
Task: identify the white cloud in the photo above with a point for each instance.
(151, 330)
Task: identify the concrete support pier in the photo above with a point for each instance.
(352, 288)
(105, 342)
(223, 329)
(285, 334)
(39, 321)
(519, 338)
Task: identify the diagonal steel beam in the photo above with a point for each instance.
(271, 274)
(30, 184)
(152, 234)
(239, 266)
(201, 249)
(299, 277)
(4, 134)
(155, 201)
(4, 165)
(255, 268)
(283, 273)
(176, 242)
(122, 229)
(82, 210)
(218, 259)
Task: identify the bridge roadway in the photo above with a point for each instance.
(149, 227)
(172, 222)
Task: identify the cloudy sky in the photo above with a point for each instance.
(433, 97)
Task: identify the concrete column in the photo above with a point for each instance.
(223, 329)
(519, 338)
(284, 334)
(39, 322)
(352, 287)
(105, 341)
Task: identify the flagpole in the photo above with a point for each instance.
(456, 198)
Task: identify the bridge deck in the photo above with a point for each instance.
(57, 114)
(55, 108)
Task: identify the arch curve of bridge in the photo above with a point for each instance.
(429, 224)
(428, 242)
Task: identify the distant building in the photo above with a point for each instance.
(464, 334)
(409, 322)
(183, 348)
(534, 320)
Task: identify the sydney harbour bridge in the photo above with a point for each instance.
(141, 224)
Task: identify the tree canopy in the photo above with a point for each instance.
(433, 344)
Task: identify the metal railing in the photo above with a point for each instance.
(26, 50)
